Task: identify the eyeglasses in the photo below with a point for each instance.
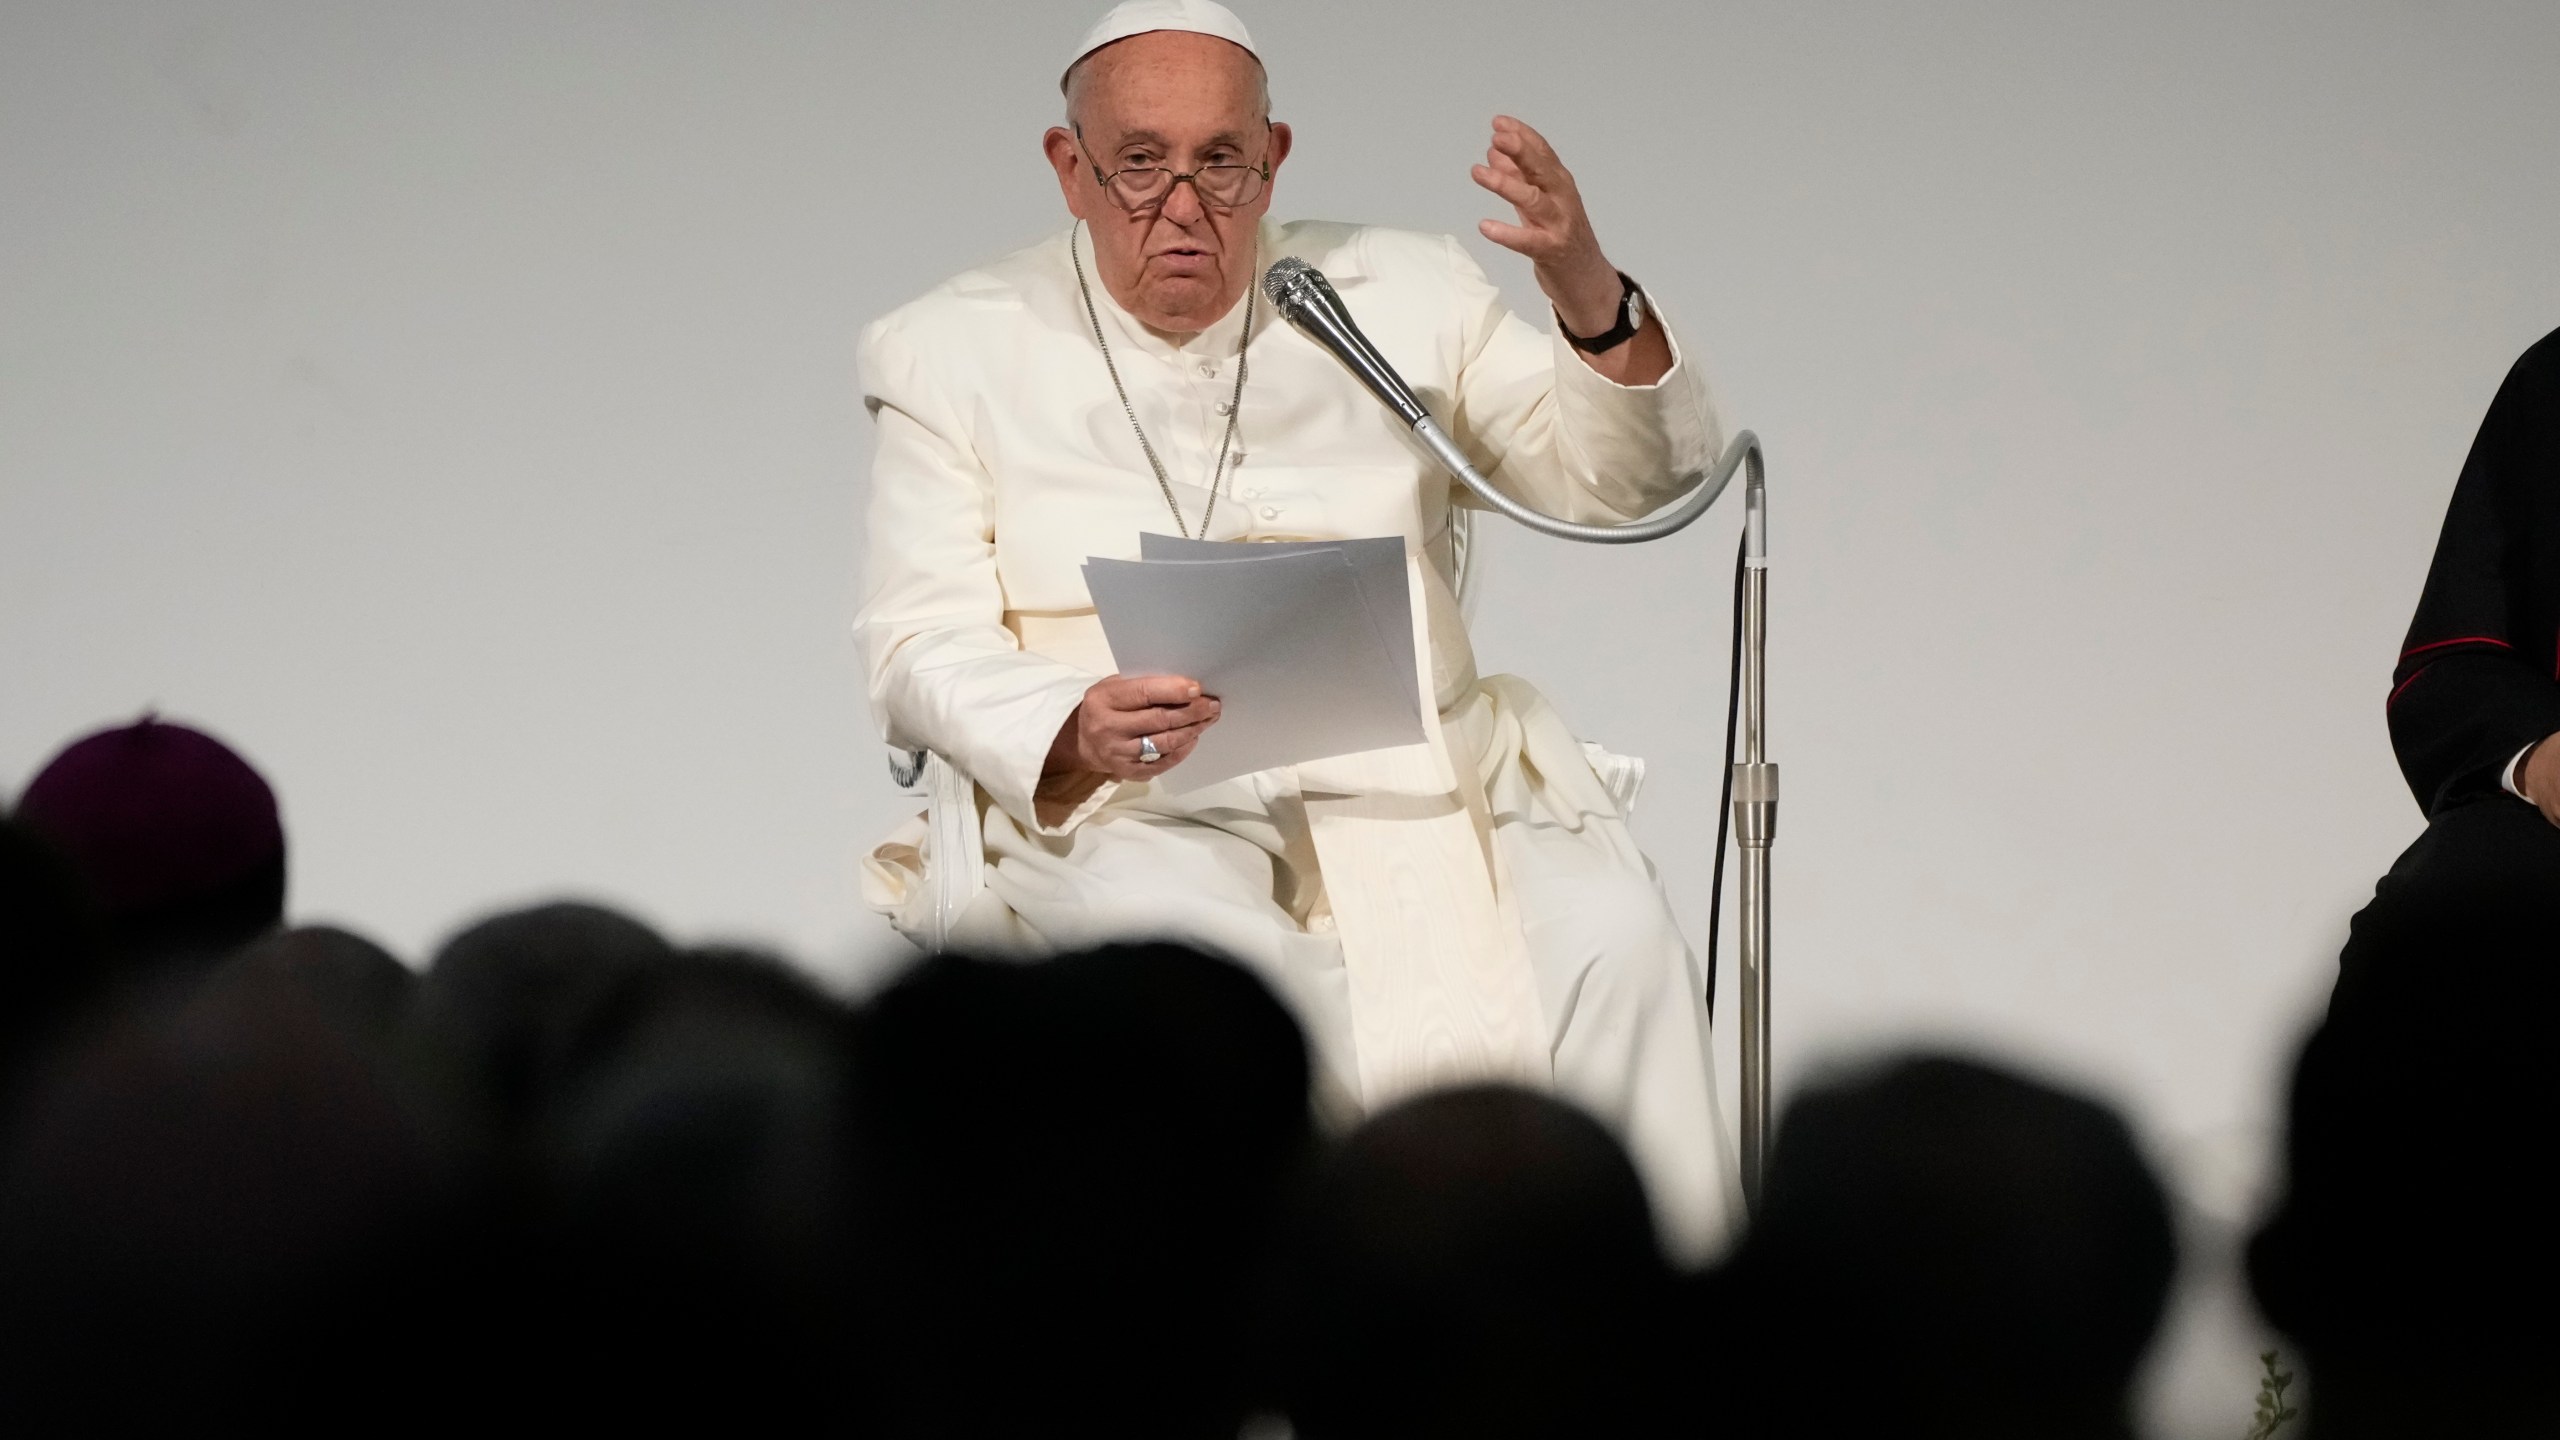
(1147, 187)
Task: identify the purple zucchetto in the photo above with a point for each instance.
(169, 829)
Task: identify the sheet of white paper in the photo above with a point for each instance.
(1284, 641)
(1377, 567)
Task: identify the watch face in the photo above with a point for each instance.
(1635, 309)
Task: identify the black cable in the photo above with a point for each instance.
(1724, 797)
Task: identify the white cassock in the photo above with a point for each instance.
(1473, 907)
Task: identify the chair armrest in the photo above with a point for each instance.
(907, 767)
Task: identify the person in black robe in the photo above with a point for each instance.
(2477, 689)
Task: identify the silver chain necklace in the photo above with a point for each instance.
(1235, 402)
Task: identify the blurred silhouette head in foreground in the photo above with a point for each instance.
(344, 976)
(176, 839)
(2414, 1255)
(509, 1002)
(1477, 1262)
(1944, 1248)
(1070, 1170)
(50, 967)
(691, 1201)
(217, 1206)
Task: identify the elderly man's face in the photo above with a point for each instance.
(1176, 101)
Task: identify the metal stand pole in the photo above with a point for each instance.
(1755, 825)
(1755, 781)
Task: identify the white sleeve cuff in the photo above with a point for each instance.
(2507, 777)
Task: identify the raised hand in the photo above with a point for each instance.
(1554, 230)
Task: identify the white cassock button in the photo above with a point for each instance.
(1208, 372)
(1226, 407)
(1270, 512)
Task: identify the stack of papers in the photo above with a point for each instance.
(1308, 646)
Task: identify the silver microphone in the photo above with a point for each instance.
(1307, 300)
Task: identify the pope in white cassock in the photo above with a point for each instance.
(1472, 907)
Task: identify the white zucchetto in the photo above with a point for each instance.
(1137, 17)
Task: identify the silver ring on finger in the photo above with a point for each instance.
(1148, 754)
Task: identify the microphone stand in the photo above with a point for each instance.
(1754, 777)
(1308, 301)
(1755, 826)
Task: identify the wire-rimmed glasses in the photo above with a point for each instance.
(1147, 187)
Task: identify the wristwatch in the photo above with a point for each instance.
(1630, 320)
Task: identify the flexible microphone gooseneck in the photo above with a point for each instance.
(1308, 301)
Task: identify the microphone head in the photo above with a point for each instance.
(1288, 278)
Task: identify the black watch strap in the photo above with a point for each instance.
(1628, 322)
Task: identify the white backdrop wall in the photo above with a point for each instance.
(452, 405)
